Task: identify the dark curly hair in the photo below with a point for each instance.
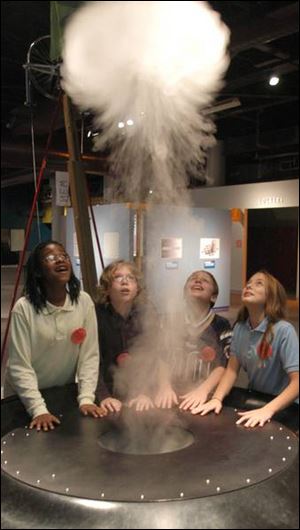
(34, 288)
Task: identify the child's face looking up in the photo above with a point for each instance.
(255, 291)
(124, 286)
(55, 264)
(199, 286)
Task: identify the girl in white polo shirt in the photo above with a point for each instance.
(53, 337)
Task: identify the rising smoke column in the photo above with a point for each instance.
(147, 70)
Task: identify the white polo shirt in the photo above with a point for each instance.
(52, 348)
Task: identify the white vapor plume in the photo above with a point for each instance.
(147, 70)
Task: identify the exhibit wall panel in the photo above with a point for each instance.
(172, 239)
(113, 222)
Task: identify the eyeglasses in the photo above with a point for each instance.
(55, 258)
(119, 278)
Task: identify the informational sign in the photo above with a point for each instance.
(209, 264)
(171, 247)
(209, 248)
(62, 188)
(172, 265)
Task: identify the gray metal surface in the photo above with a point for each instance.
(71, 461)
(83, 485)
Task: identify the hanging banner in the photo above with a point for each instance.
(62, 188)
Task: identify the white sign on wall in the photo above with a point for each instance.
(111, 245)
(62, 188)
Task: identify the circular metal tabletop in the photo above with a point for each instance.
(229, 477)
(223, 457)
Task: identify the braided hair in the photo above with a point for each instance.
(34, 288)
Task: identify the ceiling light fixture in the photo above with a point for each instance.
(274, 80)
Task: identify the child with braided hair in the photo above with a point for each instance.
(53, 338)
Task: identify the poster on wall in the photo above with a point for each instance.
(209, 248)
(111, 245)
(171, 247)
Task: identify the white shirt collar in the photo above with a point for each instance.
(51, 308)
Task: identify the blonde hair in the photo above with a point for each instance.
(275, 306)
(213, 279)
(107, 277)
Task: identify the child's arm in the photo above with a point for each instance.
(223, 388)
(141, 402)
(22, 377)
(199, 395)
(91, 409)
(111, 404)
(166, 396)
(263, 414)
(20, 372)
(88, 361)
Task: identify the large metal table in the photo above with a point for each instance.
(219, 476)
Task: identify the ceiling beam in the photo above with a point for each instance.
(261, 106)
(263, 30)
(257, 76)
(20, 156)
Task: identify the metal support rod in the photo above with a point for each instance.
(244, 247)
(139, 237)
